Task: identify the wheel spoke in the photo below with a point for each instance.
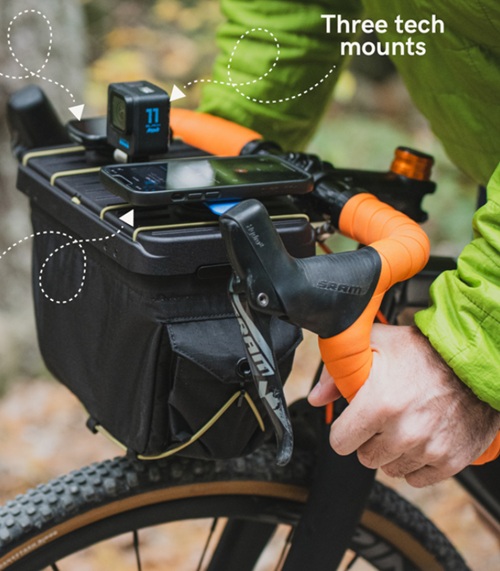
(137, 550)
(207, 543)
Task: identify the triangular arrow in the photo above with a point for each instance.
(176, 94)
(128, 218)
(77, 111)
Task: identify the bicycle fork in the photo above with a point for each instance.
(337, 497)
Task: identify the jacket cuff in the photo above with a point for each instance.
(463, 321)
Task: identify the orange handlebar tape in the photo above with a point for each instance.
(348, 356)
(210, 133)
(490, 454)
(402, 244)
(404, 250)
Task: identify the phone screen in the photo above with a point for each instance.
(203, 173)
(204, 179)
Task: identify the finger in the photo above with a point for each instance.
(436, 471)
(425, 476)
(403, 466)
(325, 376)
(379, 451)
(355, 426)
(324, 392)
(393, 446)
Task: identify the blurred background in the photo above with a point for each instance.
(95, 42)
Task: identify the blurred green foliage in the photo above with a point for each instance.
(368, 140)
(163, 41)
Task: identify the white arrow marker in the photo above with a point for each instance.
(128, 218)
(77, 111)
(176, 94)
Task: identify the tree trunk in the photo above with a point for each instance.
(28, 32)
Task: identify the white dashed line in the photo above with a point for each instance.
(30, 73)
(72, 242)
(236, 86)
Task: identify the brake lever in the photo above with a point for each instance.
(256, 332)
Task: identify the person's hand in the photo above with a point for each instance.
(413, 417)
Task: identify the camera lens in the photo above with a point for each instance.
(119, 113)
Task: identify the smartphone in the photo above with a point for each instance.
(202, 179)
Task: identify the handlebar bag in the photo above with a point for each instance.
(154, 355)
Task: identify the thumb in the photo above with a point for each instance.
(325, 390)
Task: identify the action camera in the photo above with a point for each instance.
(138, 119)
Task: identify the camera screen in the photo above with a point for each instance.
(204, 173)
(119, 113)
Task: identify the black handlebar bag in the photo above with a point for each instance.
(136, 320)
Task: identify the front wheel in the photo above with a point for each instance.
(248, 498)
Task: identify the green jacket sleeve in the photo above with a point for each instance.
(286, 104)
(463, 322)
